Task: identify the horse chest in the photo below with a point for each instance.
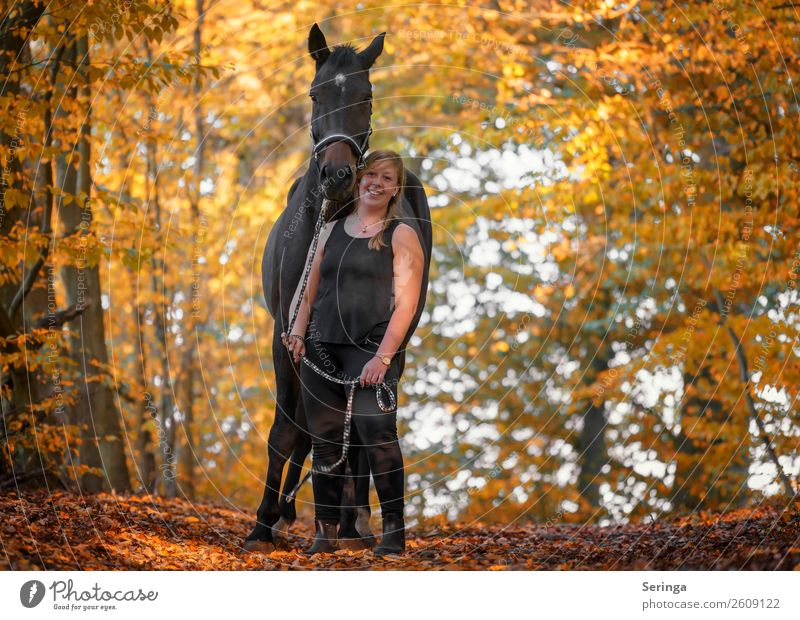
(284, 259)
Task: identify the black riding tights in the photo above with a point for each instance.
(373, 429)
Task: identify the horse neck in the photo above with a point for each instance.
(312, 197)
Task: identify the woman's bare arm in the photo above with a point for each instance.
(407, 268)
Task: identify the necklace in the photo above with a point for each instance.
(365, 226)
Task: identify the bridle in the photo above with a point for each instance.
(360, 149)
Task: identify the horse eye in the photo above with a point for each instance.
(314, 98)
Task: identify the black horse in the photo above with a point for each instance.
(341, 93)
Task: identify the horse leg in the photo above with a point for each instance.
(282, 439)
(362, 476)
(288, 509)
(348, 534)
(354, 519)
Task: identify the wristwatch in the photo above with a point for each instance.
(387, 361)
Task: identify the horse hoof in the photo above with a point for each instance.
(280, 533)
(351, 544)
(258, 546)
(369, 541)
(364, 530)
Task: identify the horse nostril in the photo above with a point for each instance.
(324, 171)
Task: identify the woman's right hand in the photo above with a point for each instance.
(295, 344)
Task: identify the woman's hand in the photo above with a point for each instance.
(295, 344)
(373, 372)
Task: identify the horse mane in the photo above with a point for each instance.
(342, 54)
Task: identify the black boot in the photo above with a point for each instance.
(394, 536)
(325, 541)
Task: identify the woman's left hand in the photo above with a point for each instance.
(373, 372)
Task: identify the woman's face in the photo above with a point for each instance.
(378, 185)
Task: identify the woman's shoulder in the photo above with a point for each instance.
(404, 235)
(401, 229)
(334, 224)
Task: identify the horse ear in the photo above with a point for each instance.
(369, 55)
(317, 45)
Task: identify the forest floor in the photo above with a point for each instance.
(111, 532)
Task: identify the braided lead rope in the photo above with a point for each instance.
(348, 416)
(317, 230)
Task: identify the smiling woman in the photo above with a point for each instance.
(362, 296)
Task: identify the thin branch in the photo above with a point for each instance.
(57, 319)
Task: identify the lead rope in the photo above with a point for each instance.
(348, 416)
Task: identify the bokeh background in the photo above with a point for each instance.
(611, 328)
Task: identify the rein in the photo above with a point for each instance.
(348, 416)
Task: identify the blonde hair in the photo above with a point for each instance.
(377, 242)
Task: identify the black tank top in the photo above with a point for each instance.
(355, 296)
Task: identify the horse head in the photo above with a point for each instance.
(341, 96)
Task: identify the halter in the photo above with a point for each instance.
(360, 149)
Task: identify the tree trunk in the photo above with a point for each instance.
(689, 472)
(699, 481)
(191, 318)
(147, 412)
(96, 408)
(165, 421)
(17, 394)
(593, 453)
